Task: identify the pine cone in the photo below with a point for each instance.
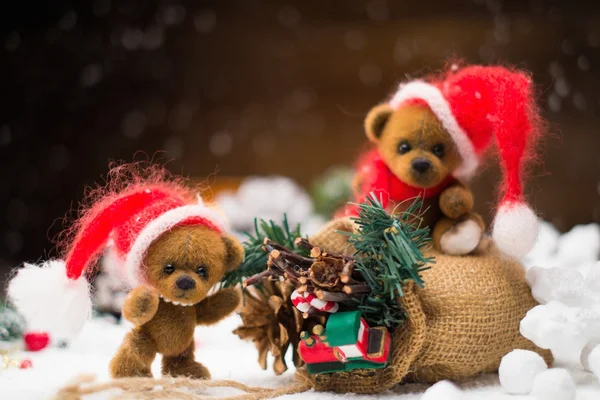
(272, 322)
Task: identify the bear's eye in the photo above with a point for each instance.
(201, 271)
(404, 147)
(438, 150)
(169, 269)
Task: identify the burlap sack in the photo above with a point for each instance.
(461, 324)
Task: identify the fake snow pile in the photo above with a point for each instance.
(228, 357)
(565, 280)
(268, 198)
(443, 390)
(563, 272)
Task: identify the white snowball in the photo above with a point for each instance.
(518, 370)
(443, 390)
(587, 351)
(554, 384)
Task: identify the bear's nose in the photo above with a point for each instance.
(421, 164)
(185, 283)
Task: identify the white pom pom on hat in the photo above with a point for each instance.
(50, 301)
(512, 218)
(476, 104)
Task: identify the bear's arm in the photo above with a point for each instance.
(216, 307)
(140, 305)
(456, 201)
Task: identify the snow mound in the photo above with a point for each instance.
(554, 384)
(518, 369)
(444, 390)
(564, 275)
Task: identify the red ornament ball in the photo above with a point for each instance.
(36, 341)
(26, 364)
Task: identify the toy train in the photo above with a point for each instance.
(346, 343)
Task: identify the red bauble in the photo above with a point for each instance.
(36, 341)
(26, 364)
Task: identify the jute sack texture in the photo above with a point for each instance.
(461, 324)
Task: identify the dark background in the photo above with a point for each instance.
(262, 87)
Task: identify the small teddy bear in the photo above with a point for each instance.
(430, 139)
(164, 242)
(180, 268)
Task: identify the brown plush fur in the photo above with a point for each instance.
(418, 128)
(163, 327)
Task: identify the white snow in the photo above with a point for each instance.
(268, 198)
(563, 274)
(518, 369)
(444, 390)
(566, 285)
(554, 384)
(228, 357)
(564, 330)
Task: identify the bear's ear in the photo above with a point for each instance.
(235, 252)
(376, 120)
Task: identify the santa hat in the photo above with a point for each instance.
(475, 104)
(55, 296)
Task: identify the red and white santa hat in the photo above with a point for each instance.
(476, 104)
(55, 296)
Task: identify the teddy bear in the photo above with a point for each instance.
(181, 267)
(418, 151)
(157, 235)
(429, 141)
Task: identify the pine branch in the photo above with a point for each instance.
(256, 257)
(388, 253)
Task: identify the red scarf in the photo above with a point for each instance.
(375, 176)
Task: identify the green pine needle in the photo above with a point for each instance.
(388, 252)
(255, 260)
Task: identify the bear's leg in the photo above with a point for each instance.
(134, 357)
(184, 365)
(458, 236)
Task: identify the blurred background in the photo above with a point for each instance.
(229, 89)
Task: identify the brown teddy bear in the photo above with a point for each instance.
(181, 267)
(419, 151)
(430, 138)
(163, 241)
